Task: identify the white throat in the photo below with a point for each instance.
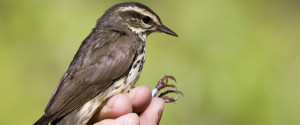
(142, 36)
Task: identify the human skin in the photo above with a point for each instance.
(138, 108)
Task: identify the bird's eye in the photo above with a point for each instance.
(146, 19)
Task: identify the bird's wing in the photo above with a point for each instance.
(95, 72)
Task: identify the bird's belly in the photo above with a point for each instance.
(123, 85)
(88, 109)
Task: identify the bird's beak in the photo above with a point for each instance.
(166, 30)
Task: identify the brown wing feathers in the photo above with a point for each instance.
(87, 82)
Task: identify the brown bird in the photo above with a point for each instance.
(108, 62)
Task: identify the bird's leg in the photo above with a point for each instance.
(163, 83)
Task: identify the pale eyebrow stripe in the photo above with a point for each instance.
(142, 11)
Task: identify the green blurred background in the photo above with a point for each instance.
(237, 62)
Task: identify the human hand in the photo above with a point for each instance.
(137, 108)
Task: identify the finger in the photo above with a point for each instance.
(128, 119)
(115, 107)
(141, 98)
(153, 112)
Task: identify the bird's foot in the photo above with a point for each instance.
(168, 99)
(163, 83)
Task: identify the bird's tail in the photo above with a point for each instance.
(44, 120)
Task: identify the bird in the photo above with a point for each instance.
(108, 62)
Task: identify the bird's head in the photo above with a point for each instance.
(134, 17)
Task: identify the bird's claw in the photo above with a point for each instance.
(163, 83)
(168, 99)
